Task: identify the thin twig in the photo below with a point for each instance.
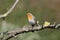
(10, 10)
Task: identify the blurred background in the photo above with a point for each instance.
(43, 10)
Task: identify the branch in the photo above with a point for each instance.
(10, 10)
(13, 33)
(10, 34)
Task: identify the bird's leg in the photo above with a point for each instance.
(32, 27)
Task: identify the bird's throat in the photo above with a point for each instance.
(30, 17)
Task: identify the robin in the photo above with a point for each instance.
(32, 19)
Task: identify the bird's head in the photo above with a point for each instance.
(28, 14)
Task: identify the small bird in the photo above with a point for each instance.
(32, 20)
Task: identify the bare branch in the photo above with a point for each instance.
(13, 33)
(10, 10)
(9, 34)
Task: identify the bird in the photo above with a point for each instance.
(32, 19)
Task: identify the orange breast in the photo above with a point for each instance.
(30, 17)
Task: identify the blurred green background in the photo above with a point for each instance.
(43, 10)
